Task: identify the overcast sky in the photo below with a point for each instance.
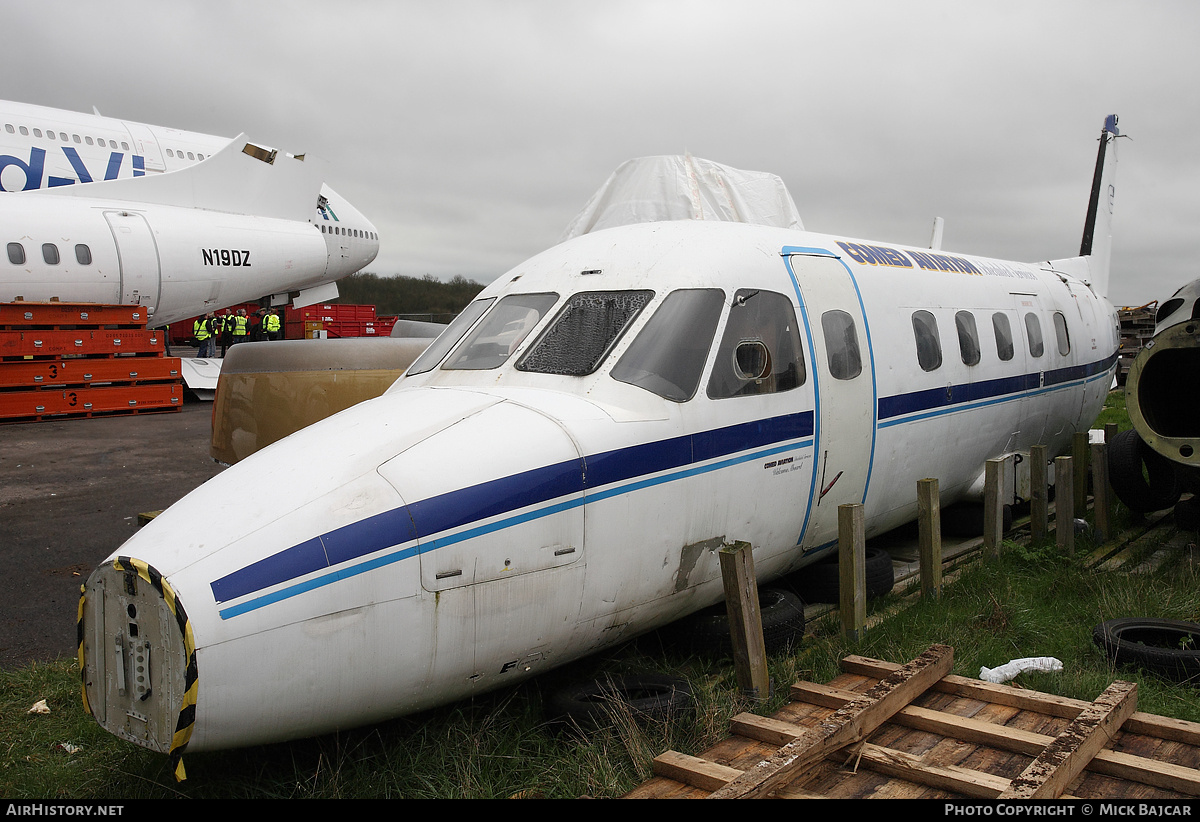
(471, 133)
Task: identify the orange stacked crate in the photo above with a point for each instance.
(63, 360)
(335, 319)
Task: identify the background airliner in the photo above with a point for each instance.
(178, 221)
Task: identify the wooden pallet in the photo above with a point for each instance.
(882, 730)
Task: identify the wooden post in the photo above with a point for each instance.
(993, 507)
(745, 620)
(929, 519)
(1102, 507)
(852, 582)
(1080, 453)
(1110, 433)
(1064, 504)
(1039, 520)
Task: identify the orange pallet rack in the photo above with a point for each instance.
(63, 360)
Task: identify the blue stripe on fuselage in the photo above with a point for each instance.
(597, 477)
(951, 398)
(635, 465)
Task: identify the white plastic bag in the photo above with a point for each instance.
(1013, 668)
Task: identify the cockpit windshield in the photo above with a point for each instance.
(585, 330)
(668, 355)
(501, 332)
(453, 333)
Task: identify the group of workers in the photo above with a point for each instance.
(230, 328)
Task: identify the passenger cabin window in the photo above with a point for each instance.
(454, 332)
(1060, 330)
(841, 345)
(499, 334)
(1004, 337)
(968, 337)
(50, 253)
(16, 254)
(1033, 333)
(760, 350)
(929, 342)
(585, 330)
(83, 254)
(667, 357)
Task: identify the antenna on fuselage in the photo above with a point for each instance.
(935, 239)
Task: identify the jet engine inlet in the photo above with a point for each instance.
(1162, 392)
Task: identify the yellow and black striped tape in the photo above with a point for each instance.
(187, 710)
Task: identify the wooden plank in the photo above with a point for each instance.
(1176, 730)
(1039, 520)
(849, 724)
(1101, 492)
(964, 781)
(1080, 459)
(1067, 757)
(694, 771)
(929, 518)
(882, 759)
(745, 619)
(852, 586)
(1005, 737)
(1064, 504)
(993, 507)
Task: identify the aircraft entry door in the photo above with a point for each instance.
(138, 254)
(843, 372)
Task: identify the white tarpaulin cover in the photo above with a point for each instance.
(683, 187)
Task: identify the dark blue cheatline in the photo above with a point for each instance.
(572, 478)
(955, 397)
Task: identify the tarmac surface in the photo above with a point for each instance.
(71, 491)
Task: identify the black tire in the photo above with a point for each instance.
(1156, 489)
(782, 613)
(1165, 647)
(596, 702)
(820, 582)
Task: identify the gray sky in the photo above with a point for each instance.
(471, 133)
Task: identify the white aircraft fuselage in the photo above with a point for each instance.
(557, 472)
(112, 211)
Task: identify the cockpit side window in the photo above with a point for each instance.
(667, 356)
(501, 332)
(760, 350)
(453, 333)
(584, 332)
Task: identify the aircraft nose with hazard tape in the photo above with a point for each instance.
(558, 471)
